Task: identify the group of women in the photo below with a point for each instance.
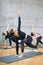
(16, 35)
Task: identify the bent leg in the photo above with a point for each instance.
(41, 42)
(31, 45)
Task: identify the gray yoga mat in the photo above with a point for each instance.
(13, 58)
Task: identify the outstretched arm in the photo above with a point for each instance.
(33, 30)
(19, 24)
(7, 25)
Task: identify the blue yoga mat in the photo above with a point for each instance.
(13, 58)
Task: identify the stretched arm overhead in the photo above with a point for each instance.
(33, 29)
(7, 25)
(19, 21)
(21, 33)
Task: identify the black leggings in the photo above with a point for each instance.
(28, 44)
(14, 39)
(39, 40)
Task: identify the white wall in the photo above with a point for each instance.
(31, 11)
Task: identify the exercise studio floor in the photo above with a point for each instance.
(35, 60)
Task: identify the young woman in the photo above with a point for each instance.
(38, 38)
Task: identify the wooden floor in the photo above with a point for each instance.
(36, 60)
